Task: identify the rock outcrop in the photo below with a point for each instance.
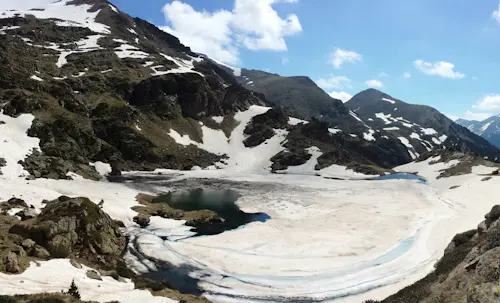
(74, 227)
(468, 272)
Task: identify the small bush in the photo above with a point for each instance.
(73, 291)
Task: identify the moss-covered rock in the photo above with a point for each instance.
(75, 227)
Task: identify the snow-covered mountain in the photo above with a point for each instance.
(105, 87)
(371, 115)
(488, 129)
(420, 128)
(88, 92)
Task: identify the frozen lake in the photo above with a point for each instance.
(323, 240)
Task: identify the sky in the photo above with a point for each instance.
(440, 53)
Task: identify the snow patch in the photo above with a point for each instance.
(369, 136)
(415, 136)
(181, 139)
(429, 131)
(130, 51)
(184, 66)
(218, 119)
(61, 273)
(15, 144)
(485, 127)
(389, 100)
(73, 15)
(132, 31)
(113, 8)
(295, 121)
(406, 142)
(36, 78)
(334, 130)
(102, 168)
(384, 117)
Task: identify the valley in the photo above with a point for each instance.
(142, 171)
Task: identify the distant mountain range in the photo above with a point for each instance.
(488, 129)
(371, 114)
(119, 90)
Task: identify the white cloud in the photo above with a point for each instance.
(383, 75)
(496, 14)
(204, 32)
(374, 83)
(489, 102)
(251, 24)
(442, 68)
(406, 75)
(285, 61)
(342, 96)
(469, 115)
(260, 25)
(341, 56)
(334, 82)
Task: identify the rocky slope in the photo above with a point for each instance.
(420, 128)
(108, 89)
(468, 272)
(298, 94)
(118, 90)
(488, 129)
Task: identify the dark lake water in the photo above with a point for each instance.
(220, 201)
(401, 176)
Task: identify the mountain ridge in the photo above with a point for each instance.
(488, 128)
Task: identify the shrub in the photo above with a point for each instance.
(73, 291)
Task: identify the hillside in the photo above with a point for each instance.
(488, 129)
(421, 128)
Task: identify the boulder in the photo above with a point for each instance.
(75, 264)
(289, 157)
(92, 274)
(40, 252)
(28, 244)
(27, 214)
(17, 202)
(493, 215)
(75, 227)
(13, 260)
(481, 228)
(142, 220)
(259, 137)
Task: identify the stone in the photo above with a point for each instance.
(13, 260)
(27, 214)
(75, 227)
(11, 263)
(142, 220)
(493, 215)
(92, 274)
(40, 252)
(17, 202)
(75, 264)
(28, 244)
(481, 228)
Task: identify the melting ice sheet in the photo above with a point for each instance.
(325, 240)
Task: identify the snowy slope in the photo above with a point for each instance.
(488, 129)
(420, 128)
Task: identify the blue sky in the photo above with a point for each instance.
(448, 48)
